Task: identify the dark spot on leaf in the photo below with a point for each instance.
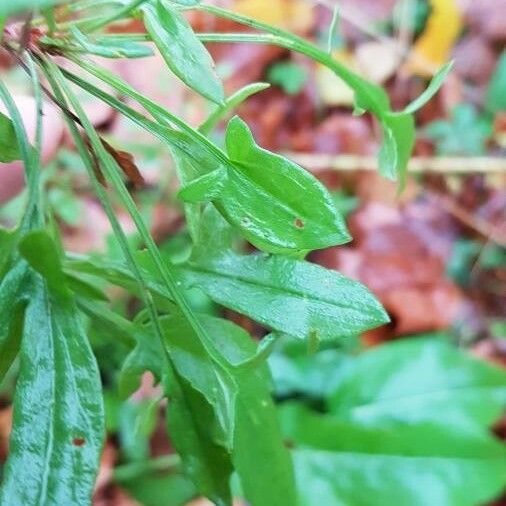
(78, 441)
(298, 223)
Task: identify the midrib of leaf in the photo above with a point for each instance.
(223, 273)
(50, 443)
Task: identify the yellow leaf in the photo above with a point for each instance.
(433, 47)
(295, 15)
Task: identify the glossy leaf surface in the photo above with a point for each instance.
(292, 296)
(193, 363)
(183, 52)
(339, 463)
(58, 429)
(419, 380)
(205, 188)
(9, 149)
(192, 426)
(277, 205)
(12, 301)
(259, 457)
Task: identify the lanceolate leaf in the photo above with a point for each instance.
(192, 427)
(277, 205)
(339, 463)
(420, 380)
(192, 362)
(191, 420)
(9, 149)
(292, 296)
(431, 90)
(58, 427)
(258, 454)
(288, 295)
(183, 52)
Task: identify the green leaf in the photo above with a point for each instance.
(231, 103)
(192, 427)
(40, 252)
(108, 47)
(495, 98)
(183, 52)
(290, 76)
(12, 287)
(339, 463)
(418, 380)
(193, 363)
(58, 428)
(465, 133)
(434, 85)
(276, 204)
(398, 142)
(9, 149)
(258, 454)
(368, 96)
(284, 294)
(9, 8)
(192, 422)
(205, 188)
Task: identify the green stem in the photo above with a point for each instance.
(376, 103)
(58, 84)
(119, 14)
(163, 267)
(157, 111)
(33, 217)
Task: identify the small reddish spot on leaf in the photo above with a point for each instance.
(78, 441)
(298, 223)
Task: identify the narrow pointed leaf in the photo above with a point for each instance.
(192, 427)
(183, 52)
(110, 47)
(58, 429)
(431, 90)
(258, 453)
(193, 363)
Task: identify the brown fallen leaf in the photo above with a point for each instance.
(127, 164)
(125, 161)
